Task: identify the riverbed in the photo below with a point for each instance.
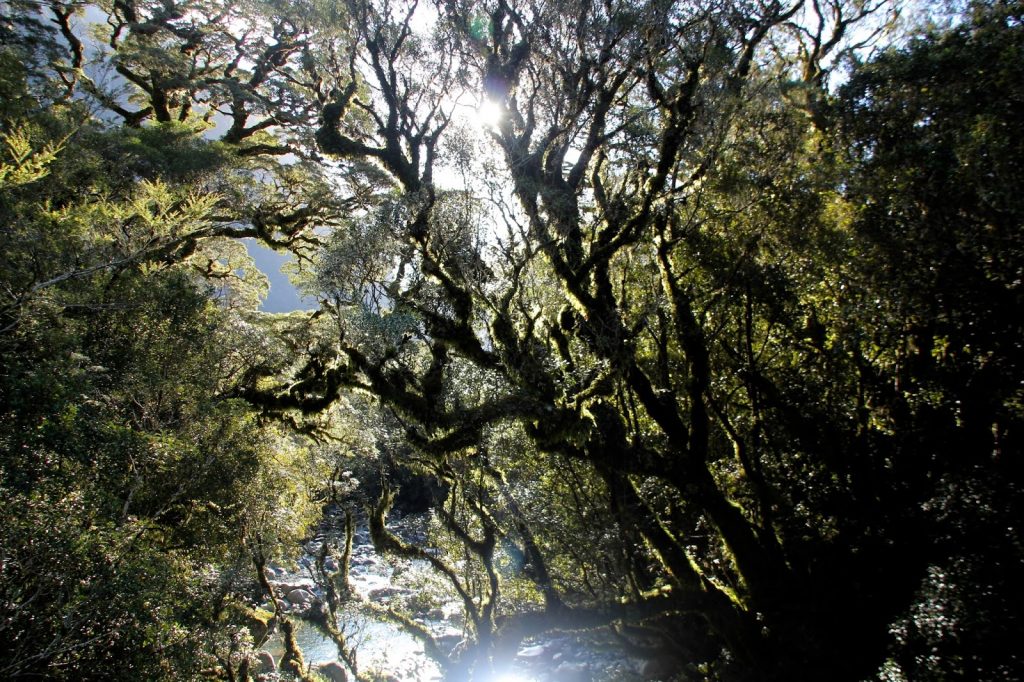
(387, 649)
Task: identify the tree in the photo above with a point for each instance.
(932, 133)
(129, 480)
(666, 302)
(681, 343)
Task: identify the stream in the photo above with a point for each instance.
(386, 648)
(380, 646)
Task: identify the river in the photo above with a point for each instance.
(387, 649)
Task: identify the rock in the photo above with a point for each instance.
(332, 672)
(657, 668)
(265, 662)
(301, 597)
(258, 621)
(386, 593)
(572, 672)
(361, 561)
(533, 653)
(448, 642)
(452, 611)
(330, 564)
(364, 583)
(286, 586)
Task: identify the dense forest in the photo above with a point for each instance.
(694, 326)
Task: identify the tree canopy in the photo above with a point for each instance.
(703, 318)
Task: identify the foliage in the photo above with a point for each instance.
(933, 134)
(696, 346)
(700, 308)
(131, 481)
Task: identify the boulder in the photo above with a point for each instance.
(265, 663)
(572, 672)
(259, 621)
(332, 672)
(533, 653)
(301, 597)
(452, 611)
(657, 668)
(286, 586)
(386, 593)
(448, 642)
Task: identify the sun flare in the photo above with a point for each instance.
(511, 677)
(489, 114)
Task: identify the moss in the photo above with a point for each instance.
(256, 620)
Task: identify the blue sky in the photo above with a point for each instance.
(283, 296)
